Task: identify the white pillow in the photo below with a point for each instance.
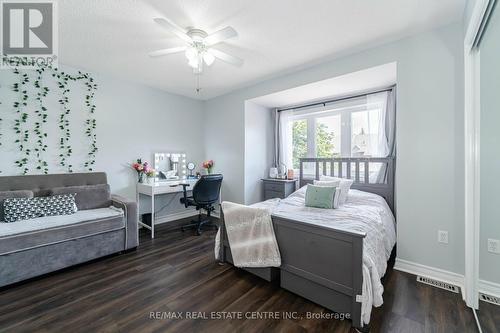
(332, 183)
(345, 185)
(338, 190)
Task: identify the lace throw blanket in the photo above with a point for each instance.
(251, 236)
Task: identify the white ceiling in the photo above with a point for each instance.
(361, 81)
(275, 36)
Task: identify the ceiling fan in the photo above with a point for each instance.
(199, 48)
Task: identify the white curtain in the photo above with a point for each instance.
(276, 138)
(285, 147)
(379, 146)
(387, 130)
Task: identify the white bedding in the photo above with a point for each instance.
(362, 212)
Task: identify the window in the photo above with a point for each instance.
(350, 128)
(365, 133)
(328, 133)
(299, 141)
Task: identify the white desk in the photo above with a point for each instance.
(154, 189)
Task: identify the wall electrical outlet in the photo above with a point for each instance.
(443, 236)
(493, 245)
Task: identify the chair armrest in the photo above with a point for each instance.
(131, 219)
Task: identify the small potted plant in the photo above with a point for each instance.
(208, 165)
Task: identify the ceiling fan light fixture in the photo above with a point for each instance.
(198, 45)
(208, 58)
(194, 62)
(191, 53)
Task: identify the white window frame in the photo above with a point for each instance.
(311, 114)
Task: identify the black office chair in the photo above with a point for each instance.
(205, 194)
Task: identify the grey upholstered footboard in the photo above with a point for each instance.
(319, 263)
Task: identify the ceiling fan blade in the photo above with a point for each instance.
(220, 36)
(167, 51)
(174, 28)
(226, 57)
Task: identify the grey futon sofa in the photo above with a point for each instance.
(103, 225)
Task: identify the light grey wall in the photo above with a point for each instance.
(132, 121)
(429, 181)
(225, 142)
(259, 137)
(489, 263)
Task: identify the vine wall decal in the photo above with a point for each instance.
(90, 122)
(20, 123)
(64, 145)
(41, 112)
(32, 117)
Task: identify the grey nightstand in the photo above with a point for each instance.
(278, 188)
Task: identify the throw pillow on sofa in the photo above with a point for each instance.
(18, 209)
(87, 196)
(12, 194)
(57, 205)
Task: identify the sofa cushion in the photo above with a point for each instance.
(87, 196)
(24, 235)
(42, 184)
(18, 209)
(12, 194)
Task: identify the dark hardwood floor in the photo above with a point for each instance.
(489, 317)
(176, 272)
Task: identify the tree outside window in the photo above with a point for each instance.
(299, 140)
(324, 143)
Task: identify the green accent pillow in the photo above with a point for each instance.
(319, 196)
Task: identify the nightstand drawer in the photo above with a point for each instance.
(271, 186)
(273, 194)
(278, 188)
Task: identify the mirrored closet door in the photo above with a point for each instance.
(489, 229)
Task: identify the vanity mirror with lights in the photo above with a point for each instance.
(170, 166)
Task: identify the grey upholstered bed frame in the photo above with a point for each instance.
(319, 263)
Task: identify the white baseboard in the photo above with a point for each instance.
(180, 215)
(175, 216)
(431, 272)
(489, 288)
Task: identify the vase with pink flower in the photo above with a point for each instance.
(208, 165)
(143, 169)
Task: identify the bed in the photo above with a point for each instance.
(337, 257)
